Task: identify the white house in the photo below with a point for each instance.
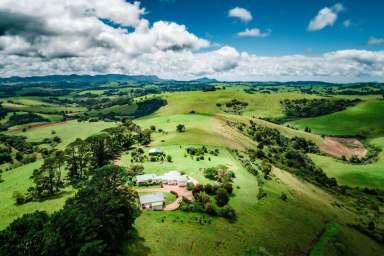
(154, 201)
(146, 178)
(169, 178)
(173, 178)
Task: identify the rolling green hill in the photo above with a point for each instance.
(366, 119)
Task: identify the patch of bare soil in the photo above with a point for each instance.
(43, 125)
(340, 147)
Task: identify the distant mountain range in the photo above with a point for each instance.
(94, 79)
(147, 79)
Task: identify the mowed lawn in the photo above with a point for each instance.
(67, 131)
(19, 180)
(367, 118)
(370, 175)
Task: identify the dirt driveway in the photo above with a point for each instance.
(347, 147)
(180, 191)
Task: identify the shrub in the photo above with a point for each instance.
(222, 197)
(190, 186)
(227, 212)
(169, 158)
(19, 198)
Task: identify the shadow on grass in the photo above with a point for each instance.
(134, 245)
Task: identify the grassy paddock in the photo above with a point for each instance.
(367, 118)
(370, 175)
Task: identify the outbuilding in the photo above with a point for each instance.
(155, 152)
(154, 201)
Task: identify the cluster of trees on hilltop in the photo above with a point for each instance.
(80, 158)
(301, 108)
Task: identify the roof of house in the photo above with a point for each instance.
(151, 198)
(155, 150)
(174, 175)
(145, 177)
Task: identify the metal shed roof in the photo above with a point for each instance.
(151, 198)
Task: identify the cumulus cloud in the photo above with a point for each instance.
(254, 32)
(240, 13)
(325, 17)
(39, 37)
(375, 41)
(74, 28)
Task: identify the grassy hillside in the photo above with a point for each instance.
(365, 119)
(67, 131)
(18, 180)
(371, 175)
(259, 104)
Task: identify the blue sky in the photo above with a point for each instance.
(288, 20)
(243, 40)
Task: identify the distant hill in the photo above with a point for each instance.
(205, 80)
(81, 79)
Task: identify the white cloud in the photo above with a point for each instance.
(375, 41)
(240, 13)
(41, 37)
(254, 32)
(347, 23)
(325, 17)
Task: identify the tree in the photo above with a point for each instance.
(78, 159)
(180, 128)
(169, 158)
(103, 149)
(47, 178)
(135, 170)
(222, 197)
(266, 168)
(144, 137)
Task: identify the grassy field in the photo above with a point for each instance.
(269, 226)
(36, 105)
(366, 119)
(259, 105)
(67, 131)
(371, 175)
(18, 180)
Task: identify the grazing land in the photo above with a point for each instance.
(287, 188)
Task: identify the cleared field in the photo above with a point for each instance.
(200, 129)
(365, 119)
(267, 227)
(36, 105)
(371, 175)
(259, 104)
(67, 131)
(18, 180)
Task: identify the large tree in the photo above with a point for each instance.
(78, 159)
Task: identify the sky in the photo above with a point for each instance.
(231, 40)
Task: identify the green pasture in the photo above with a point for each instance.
(366, 119)
(370, 175)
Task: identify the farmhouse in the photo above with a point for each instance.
(154, 201)
(169, 178)
(173, 178)
(146, 179)
(155, 152)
